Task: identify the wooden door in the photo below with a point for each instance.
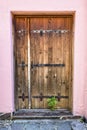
(51, 61)
(43, 61)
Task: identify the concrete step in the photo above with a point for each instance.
(43, 114)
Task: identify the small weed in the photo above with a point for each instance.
(83, 119)
(52, 102)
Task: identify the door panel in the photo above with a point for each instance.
(21, 63)
(50, 48)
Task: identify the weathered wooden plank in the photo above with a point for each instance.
(34, 60)
(70, 37)
(63, 84)
(45, 53)
(21, 55)
(41, 60)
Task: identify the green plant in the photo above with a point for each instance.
(83, 119)
(52, 102)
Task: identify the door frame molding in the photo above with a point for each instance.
(42, 14)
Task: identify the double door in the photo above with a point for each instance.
(43, 61)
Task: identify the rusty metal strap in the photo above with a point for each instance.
(47, 65)
(23, 97)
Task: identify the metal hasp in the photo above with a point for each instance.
(23, 65)
(23, 97)
(41, 96)
(47, 65)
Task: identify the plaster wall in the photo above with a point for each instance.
(80, 51)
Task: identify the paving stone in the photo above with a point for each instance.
(3, 128)
(64, 126)
(78, 126)
(5, 124)
(52, 124)
(17, 126)
(48, 127)
(32, 126)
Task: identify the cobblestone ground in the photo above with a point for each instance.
(53, 124)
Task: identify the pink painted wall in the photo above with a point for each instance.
(80, 48)
(85, 79)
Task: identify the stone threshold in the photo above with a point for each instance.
(45, 117)
(43, 114)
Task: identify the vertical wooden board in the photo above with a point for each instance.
(67, 69)
(26, 62)
(63, 84)
(59, 70)
(68, 59)
(45, 69)
(64, 91)
(54, 69)
(41, 61)
(62, 79)
(57, 49)
(17, 74)
(45, 61)
(35, 40)
(50, 57)
(36, 58)
(70, 37)
(53, 42)
(34, 71)
(55, 76)
(48, 79)
(21, 55)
